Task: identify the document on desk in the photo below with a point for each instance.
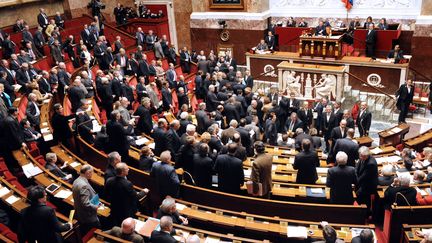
(4, 191)
(30, 170)
(322, 170)
(149, 225)
(396, 129)
(74, 164)
(376, 150)
(12, 199)
(45, 130)
(48, 137)
(317, 190)
(180, 206)
(63, 194)
(152, 145)
(247, 173)
(297, 232)
(141, 141)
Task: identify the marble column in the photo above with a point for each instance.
(182, 11)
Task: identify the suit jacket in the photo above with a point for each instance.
(270, 41)
(160, 140)
(385, 180)
(162, 237)
(55, 170)
(227, 134)
(328, 125)
(143, 68)
(27, 36)
(76, 94)
(117, 232)
(397, 56)
(140, 37)
(299, 138)
(166, 178)
(11, 133)
(203, 121)
(42, 20)
(8, 48)
(60, 124)
(83, 193)
(371, 37)
(39, 223)
(392, 195)
(84, 127)
(261, 172)
(166, 98)
(173, 141)
(364, 121)
(246, 140)
(350, 147)
(297, 124)
(22, 78)
(212, 101)
(230, 173)
(117, 136)
(367, 174)
(118, 59)
(306, 163)
(336, 134)
(31, 113)
(123, 198)
(404, 98)
(306, 116)
(340, 179)
(145, 123)
(57, 54)
(202, 170)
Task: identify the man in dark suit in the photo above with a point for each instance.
(248, 79)
(293, 123)
(305, 163)
(165, 176)
(270, 130)
(160, 138)
(60, 124)
(23, 76)
(42, 19)
(404, 95)
(122, 59)
(185, 60)
(367, 174)
(306, 116)
(27, 36)
(203, 121)
(166, 97)
(150, 40)
(140, 37)
(270, 40)
(400, 192)
(56, 53)
(122, 196)
(164, 234)
(327, 125)
(84, 123)
(300, 135)
(12, 137)
(8, 47)
(396, 54)
(364, 120)
(33, 111)
(212, 101)
(117, 135)
(39, 222)
(340, 180)
(337, 111)
(230, 171)
(320, 108)
(85, 36)
(173, 138)
(76, 94)
(371, 38)
(349, 146)
(338, 133)
(39, 40)
(145, 123)
(245, 137)
(366, 235)
(143, 67)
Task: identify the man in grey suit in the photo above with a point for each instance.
(83, 193)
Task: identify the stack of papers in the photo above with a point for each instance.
(147, 228)
(75, 164)
(376, 150)
(63, 194)
(396, 129)
(211, 239)
(141, 141)
(96, 126)
(12, 199)
(180, 206)
(45, 130)
(30, 170)
(247, 173)
(48, 137)
(322, 170)
(152, 145)
(4, 191)
(297, 232)
(389, 159)
(317, 190)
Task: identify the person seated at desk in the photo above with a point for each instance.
(51, 159)
(354, 24)
(400, 192)
(407, 159)
(366, 236)
(302, 23)
(383, 24)
(386, 178)
(340, 24)
(329, 234)
(396, 54)
(328, 31)
(320, 29)
(262, 46)
(168, 208)
(126, 232)
(291, 22)
(369, 21)
(426, 200)
(164, 234)
(419, 177)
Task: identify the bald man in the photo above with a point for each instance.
(126, 232)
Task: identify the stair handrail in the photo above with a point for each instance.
(373, 87)
(420, 74)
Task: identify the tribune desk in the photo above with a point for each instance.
(321, 46)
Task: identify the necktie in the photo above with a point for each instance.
(27, 76)
(9, 103)
(32, 54)
(37, 109)
(291, 126)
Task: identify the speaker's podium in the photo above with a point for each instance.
(321, 47)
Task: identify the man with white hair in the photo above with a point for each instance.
(367, 174)
(166, 178)
(202, 118)
(228, 133)
(386, 179)
(33, 111)
(164, 234)
(340, 180)
(159, 136)
(190, 131)
(173, 138)
(212, 100)
(126, 232)
(76, 94)
(400, 192)
(184, 122)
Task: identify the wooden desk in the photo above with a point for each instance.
(394, 136)
(420, 141)
(409, 232)
(364, 141)
(321, 46)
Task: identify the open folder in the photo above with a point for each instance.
(95, 200)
